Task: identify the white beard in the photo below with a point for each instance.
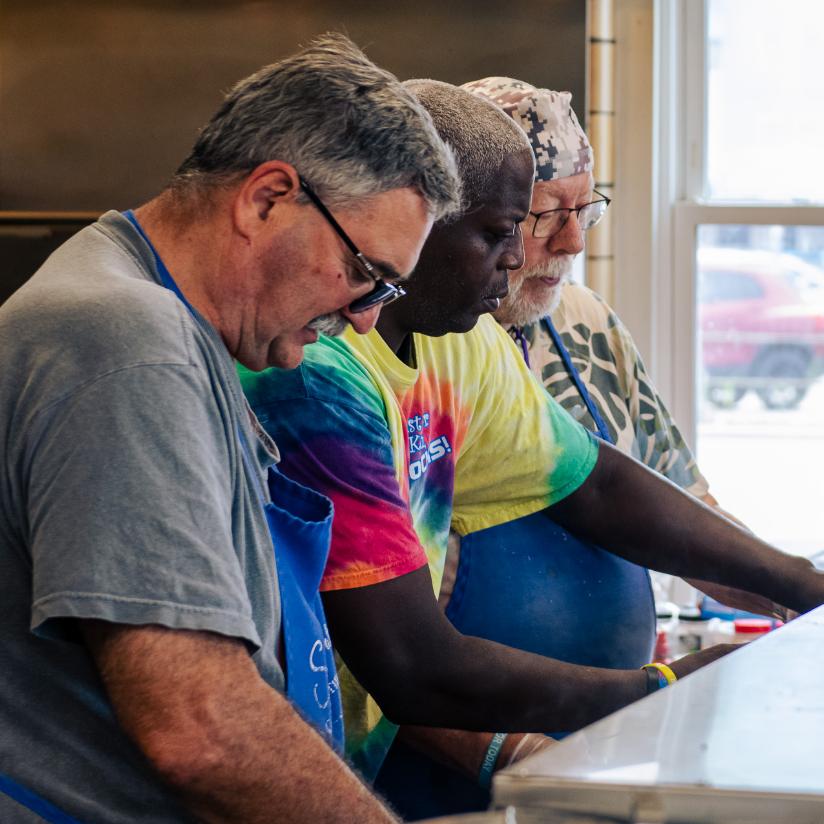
(529, 299)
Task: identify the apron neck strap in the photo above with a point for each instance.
(603, 430)
(168, 281)
(165, 275)
(34, 802)
(518, 335)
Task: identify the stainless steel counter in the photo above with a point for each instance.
(741, 740)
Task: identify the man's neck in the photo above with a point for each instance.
(181, 245)
(406, 352)
(396, 336)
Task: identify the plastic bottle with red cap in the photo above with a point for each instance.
(751, 629)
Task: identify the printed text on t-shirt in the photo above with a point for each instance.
(422, 453)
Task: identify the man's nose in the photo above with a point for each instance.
(569, 239)
(513, 257)
(362, 322)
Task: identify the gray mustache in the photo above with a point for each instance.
(330, 325)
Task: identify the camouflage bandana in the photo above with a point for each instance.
(559, 143)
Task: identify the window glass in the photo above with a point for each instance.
(760, 358)
(723, 285)
(764, 93)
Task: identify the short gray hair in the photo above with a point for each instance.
(347, 126)
(480, 134)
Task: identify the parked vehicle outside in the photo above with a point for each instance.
(762, 326)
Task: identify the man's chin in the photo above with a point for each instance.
(457, 324)
(466, 323)
(287, 351)
(288, 360)
(529, 304)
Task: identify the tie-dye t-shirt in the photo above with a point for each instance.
(467, 437)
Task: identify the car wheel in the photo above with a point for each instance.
(724, 395)
(787, 369)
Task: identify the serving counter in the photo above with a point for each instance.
(741, 740)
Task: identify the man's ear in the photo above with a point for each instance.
(266, 186)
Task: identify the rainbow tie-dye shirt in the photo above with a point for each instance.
(468, 437)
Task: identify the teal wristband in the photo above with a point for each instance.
(491, 759)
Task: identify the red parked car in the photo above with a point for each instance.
(762, 326)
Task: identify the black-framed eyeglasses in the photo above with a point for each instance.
(382, 292)
(553, 220)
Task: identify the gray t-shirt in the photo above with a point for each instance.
(124, 497)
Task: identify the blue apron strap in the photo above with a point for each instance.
(247, 461)
(165, 275)
(603, 430)
(31, 801)
(518, 334)
(169, 282)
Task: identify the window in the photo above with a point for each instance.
(719, 286)
(740, 182)
(763, 93)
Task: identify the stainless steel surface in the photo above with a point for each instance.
(740, 740)
(513, 815)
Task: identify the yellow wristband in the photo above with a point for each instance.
(665, 671)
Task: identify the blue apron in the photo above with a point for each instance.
(300, 523)
(532, 585)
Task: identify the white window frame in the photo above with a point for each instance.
(678, 207)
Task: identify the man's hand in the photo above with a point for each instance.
(232, 747)
(464, 751)
(747, 601)
(695, 660)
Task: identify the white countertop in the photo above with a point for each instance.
(741, 740)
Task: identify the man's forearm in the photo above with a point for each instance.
(233, 748)
(294, 776)
(733, 596)
(421, 670)
(635, 513)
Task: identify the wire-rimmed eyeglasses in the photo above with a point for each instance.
(553, 220)
(382, 292)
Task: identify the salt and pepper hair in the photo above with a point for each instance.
(480, 134)
(348, 127)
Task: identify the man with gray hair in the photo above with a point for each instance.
(148, 629)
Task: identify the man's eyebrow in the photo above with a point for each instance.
(386, 270)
